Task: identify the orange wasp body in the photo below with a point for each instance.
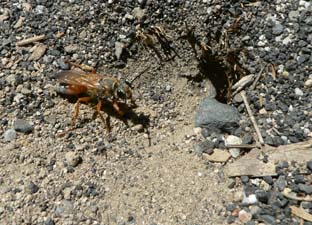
(93, 87)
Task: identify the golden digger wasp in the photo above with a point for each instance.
(91, 87)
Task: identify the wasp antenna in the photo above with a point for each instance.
(139, 74)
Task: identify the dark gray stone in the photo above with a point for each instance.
(303, 58)
(230, 207)
(305, 188)
(251, 222)
(216, 117)
(308, 20)
(268, 179)
(309, 165)
(23, 126)
(268, 219)
(262, 196)
(299, 179)
(247, 139)
(204, 147)
(245, 179)
(280, 183)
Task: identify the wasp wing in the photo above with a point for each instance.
(77, 78)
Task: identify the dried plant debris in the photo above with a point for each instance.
(216, 60)
(155, 40)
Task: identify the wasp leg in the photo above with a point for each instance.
(82, 67)
(77, 108)
(116, 107)
(105, 121)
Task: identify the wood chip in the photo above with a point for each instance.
(253, 86)
(273, 68)
(243, 82)
(38, 52)
(291, 195)
(250, 165)
(19, 23)
(5, 15)
(27, 6)
(60, 34)
(301, 213)
(217, 156)
(30, 40)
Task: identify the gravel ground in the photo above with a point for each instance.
(148, 171)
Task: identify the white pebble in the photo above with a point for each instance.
(298, 92)
(250, 200)
(9, 135)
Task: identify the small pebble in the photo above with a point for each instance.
(71, 48)
(233, 140)
(245, 179)
(168, 88)
(255, 210)
(308, 83)
(23, 126)
(305, 188)
(262, 196)
(250, 200)
(9, 135)
(73, 159)
(49, 221)
(280, 183)
(309, 165)
(244, 216)
(231, 207)
(277, 29)
(298, 92)
(63, 65)
(138, 127)
(119, 46)
(31, 187)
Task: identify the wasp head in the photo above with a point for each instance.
(124, 91)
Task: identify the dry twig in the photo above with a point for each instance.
(243, 146)
(253, 86)
(30, 40)
(273, 71)
(253, 120)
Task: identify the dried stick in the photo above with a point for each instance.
(253, 120)
(301, 213)
(30, 40)
(247, 146)
(288, 194)
(257, 78)
(273, 71)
